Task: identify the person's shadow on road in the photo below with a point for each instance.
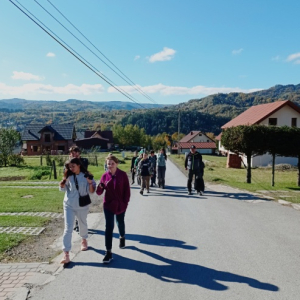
(149, 240)
(177, 272)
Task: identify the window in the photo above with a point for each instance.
(273, 121)
(62, 148)
(34, 148)
(294, 122)
(47, 138)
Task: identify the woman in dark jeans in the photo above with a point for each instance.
(117, 194)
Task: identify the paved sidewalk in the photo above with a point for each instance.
(17, 279)
(17, 275)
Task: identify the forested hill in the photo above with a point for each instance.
(210, 113)
(232, 104)
(158, 121)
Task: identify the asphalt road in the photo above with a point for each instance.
(223, 245)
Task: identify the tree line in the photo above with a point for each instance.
(259, 139)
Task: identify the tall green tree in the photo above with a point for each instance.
(278, 142)
(8, 140)
(248, 140)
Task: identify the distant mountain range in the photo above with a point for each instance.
(73, 104)
(207, 114)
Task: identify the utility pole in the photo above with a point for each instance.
(178, 131)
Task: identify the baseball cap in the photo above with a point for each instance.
(193, 147)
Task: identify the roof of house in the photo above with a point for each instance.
(107, 134)
(190, 136)
(198, 145)
(32, 132)
(257, 113)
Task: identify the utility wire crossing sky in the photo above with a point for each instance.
(166, 53)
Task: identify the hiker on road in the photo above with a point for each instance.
(133, 168)
(193, 163)
(161, 168)
(74, 152)
(145, 168)
(117, 195)
(76, 182)
(153, 159)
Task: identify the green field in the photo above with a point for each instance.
(216, 172)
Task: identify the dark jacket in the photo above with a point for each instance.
(117, 191)
(84, 162)
(132, 162)
(145, 167)
(193, 161)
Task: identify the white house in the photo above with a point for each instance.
(201, 141)
(279, 113)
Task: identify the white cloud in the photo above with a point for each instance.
(50, 54)
(25, 76)
(165, 54)
(177, 90)
(238, 51)
(137, 57)
(294, 57)
(37, 88)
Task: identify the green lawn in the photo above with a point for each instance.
(8, 241)
(48, 200)
(216, 172)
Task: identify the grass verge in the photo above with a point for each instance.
(216, 172)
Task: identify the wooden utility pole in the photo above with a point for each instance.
(178, 131)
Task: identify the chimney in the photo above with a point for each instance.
(191, 132)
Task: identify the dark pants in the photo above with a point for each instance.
(161, 172)
(197, 182)
(110, 224)
(153, 177)
(132, 176)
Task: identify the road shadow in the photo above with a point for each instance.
(236, 196)
(149, 240)
(172, 271)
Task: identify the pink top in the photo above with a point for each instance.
(117, 191)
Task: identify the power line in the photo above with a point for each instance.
(135, 86)
(111, 82)
(82, 60)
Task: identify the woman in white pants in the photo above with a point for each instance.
(76, 182)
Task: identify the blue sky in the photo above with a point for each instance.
(173, 50)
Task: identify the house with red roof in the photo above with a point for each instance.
(201, 141)
(279, 113)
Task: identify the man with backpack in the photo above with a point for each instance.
(194, 165)
(153, 159)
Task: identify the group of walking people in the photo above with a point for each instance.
(146, 168)
(78, 183)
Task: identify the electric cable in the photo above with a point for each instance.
(78, 57)
(126, 79)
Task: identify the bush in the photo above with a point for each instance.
(15, 160)
(39, 174)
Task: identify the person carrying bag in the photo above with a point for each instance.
(77, 183)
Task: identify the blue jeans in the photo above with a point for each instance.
(110, 224)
